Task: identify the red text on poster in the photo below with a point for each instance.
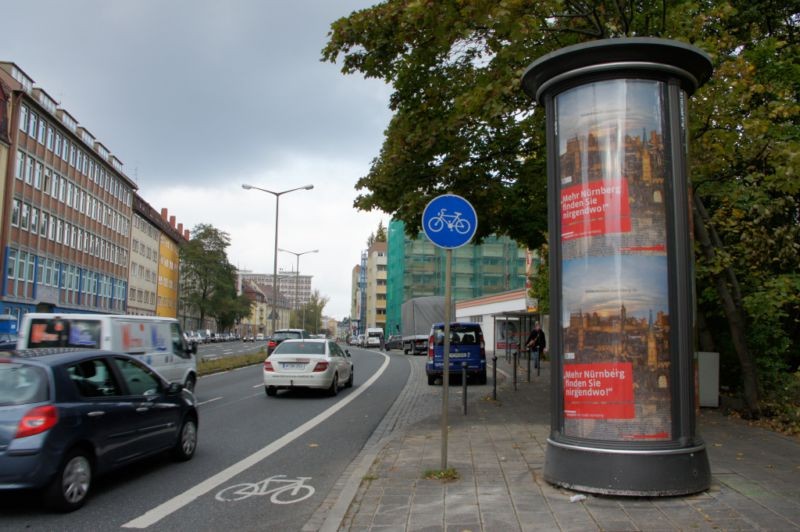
(595, 208)
(599, 391)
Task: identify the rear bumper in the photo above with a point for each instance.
(28, 471)
(298, 380)
(436, 370)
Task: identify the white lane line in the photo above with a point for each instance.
(209, 401)
(258, 385)
(171, 506)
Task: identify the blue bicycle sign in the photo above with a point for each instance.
(449, 221)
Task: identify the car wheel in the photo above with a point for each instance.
(70, 487)
(334, 389)
(187, 440)
(190, 383)
(431, 380)
(271, 391)
(350, 380)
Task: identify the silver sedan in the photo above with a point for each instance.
(308, 363)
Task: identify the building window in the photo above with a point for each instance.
(43, 225)
(23, 118)
(20, 164)
(50, 134)
(65, 151)
(15, 213)
(58, 144)
(37, 180)
(34, 220)
(29, 168)
(33, 121)
(42, 130)
(25, 218)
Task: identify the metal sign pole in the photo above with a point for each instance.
(446, 355)
(449, 221)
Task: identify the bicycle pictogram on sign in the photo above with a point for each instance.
(453, 222)
(288, 491)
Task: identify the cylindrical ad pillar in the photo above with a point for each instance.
(621, 269)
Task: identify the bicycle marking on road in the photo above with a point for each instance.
(174, 504)
(245, 490)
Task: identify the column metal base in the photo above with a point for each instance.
(659, 473)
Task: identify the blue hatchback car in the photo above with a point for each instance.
(466, 345)
(66, 417)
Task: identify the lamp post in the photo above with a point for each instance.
(274, 314)
(297, 279)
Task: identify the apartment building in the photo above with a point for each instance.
(355, 301)
(295, 288)
(65, 207)
(417, 268)
(376, 285)
(155, 259)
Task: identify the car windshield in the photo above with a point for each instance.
(300, 348)
(285, 335)
(22, 384)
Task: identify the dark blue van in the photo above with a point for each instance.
(466, 345)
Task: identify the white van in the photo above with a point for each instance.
(373, 336)
(159, 342)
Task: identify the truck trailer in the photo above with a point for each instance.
(417, 315)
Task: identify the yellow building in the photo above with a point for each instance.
(168, 267)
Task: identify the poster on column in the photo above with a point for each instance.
(615, 309)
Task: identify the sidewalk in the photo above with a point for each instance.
(498, 451)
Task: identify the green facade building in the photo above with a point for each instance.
(417, 268)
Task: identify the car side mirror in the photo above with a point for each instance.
(174, 388)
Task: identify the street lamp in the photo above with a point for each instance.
(277, 195)
(297, 278)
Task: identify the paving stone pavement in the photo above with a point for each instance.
(498, 451)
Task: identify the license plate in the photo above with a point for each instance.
(458, 355)
(292, 365)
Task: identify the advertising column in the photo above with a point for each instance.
(621, 266)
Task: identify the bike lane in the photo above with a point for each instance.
(282, 490)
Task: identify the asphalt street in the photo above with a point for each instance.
(286, 452)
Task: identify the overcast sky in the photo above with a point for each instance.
(197, 97)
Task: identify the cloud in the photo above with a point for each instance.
(197, 97)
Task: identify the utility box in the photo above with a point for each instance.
(708, 378)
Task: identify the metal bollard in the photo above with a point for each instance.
(464, 387)
(529, 365)
(494, 377)
(515, 370)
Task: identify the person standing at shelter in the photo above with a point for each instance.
(536, 342)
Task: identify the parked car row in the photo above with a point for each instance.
(208, 337)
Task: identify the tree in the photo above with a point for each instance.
(209, 280)
(461, 124)
(380, 234)
(311, 312)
